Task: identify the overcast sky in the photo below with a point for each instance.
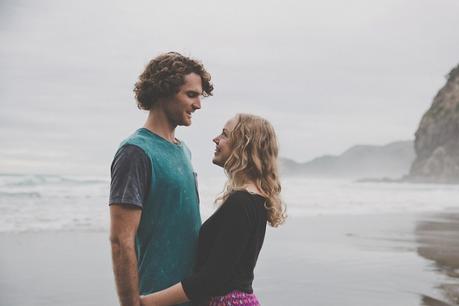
(328, 74)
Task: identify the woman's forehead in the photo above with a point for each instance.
(230, 124)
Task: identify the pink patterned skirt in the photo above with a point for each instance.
(235, 298)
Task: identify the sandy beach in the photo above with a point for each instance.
(387, 259)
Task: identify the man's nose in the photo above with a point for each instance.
(215, 140)
(197, 103)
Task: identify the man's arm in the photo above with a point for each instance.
(124, 223)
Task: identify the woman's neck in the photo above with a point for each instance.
(252, 188)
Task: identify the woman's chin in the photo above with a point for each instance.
(216, 162)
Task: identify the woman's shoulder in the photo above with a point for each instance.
(244, 200)
(243, 194)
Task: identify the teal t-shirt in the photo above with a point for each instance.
(167, 236)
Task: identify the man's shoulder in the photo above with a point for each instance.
(129, 155)
(145, 141)
(138, 138)
(130, 150)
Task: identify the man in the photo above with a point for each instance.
(154, 205)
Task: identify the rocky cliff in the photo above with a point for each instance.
(437, 138)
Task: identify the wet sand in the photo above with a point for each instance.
(438, 240)
(346, 260)
(402, 259)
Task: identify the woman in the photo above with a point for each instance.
(231, 239)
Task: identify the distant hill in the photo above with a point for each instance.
(392, 160)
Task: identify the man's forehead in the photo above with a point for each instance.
(193, 82)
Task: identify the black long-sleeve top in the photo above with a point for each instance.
(229, 244)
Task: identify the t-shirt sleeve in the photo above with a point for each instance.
(231, 242)
(130, 176)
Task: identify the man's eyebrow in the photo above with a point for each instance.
(195, 91)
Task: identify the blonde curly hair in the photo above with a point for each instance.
(254, 158)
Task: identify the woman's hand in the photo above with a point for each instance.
(148, 300)
(171, 296)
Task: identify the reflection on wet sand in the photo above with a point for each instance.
(438, 240)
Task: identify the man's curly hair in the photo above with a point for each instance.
(163, 77)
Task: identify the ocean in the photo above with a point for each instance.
(31, 203)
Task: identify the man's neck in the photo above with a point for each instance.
(158, 123)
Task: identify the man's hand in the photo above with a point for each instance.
(124, 223)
